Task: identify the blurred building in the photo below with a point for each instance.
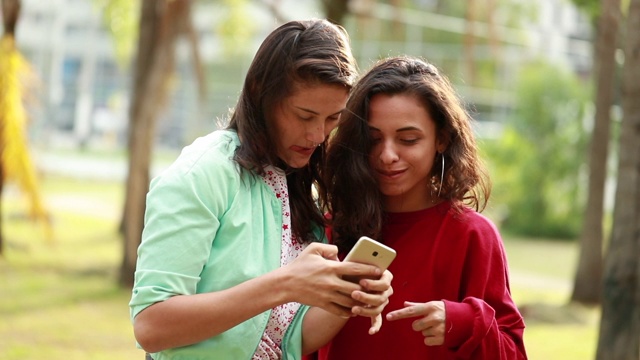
(85, 93)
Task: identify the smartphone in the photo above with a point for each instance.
(369, 251)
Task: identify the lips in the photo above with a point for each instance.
(302, 150)
(390, 174)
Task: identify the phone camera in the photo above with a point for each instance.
(375, 253)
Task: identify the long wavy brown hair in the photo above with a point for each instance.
(295, 54)
(350, 192)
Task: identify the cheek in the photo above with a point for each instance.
(374, 155)
(423, 165)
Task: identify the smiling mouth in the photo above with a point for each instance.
(390, 173)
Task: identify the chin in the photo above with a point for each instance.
(297, 164)
(392, 192)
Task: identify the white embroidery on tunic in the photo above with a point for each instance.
(282, 315)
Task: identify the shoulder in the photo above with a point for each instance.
(477, 221)
(474, 226)
(208, 154)
(204, 165)
(216, 148)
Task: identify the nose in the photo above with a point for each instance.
(317, 132)
(388, 153)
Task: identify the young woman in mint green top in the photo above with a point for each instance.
(233, 262)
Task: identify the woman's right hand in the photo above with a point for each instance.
(315, 279)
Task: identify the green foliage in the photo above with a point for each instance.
(236, 28)
(538, 160)
(590, 7)
(121, 18)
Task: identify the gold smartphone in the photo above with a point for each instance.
(371, 252)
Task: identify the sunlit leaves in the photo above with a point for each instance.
(121, 18)
(236, 28)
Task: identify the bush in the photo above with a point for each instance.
(536, 163)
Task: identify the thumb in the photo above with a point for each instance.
(409, 303)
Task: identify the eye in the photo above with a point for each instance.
(333, 118)
(410, 141)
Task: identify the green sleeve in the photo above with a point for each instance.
(183, 209)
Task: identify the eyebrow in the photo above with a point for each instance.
(407, 128)
(315, 112)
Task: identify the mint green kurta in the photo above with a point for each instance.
(208, 229)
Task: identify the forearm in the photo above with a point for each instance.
(188, 319)
(318, 328)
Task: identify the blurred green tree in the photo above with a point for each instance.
(121, 17)
(589, 267)
(620, 323)
(161, 23)
(540, 153)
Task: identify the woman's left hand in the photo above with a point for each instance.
(431, 323)
(374, 297)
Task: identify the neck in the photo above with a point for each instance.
(406, 203)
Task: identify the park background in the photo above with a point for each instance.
(526, 70)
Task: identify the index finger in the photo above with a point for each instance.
(409, 311)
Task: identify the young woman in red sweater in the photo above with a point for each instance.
(403, 168)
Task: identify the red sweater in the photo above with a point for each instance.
(442, 256)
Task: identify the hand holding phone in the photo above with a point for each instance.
(371, 252)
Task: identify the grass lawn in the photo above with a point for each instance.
(541, 283)
(60, 300)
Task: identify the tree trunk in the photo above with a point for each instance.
(10, 15)
(589, 271)
(160, 24)
(620, 324)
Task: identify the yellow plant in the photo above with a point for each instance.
(15, 159)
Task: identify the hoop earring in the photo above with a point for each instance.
(435, 184)
(441, 175)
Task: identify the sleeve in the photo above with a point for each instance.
(183, 209)
(292, 341)
(486, 324)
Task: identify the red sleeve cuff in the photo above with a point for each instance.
(458, 323)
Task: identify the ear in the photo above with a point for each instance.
(442, 142)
